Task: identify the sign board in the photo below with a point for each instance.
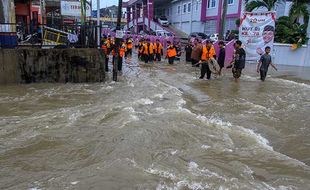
(73, 8)
(119, 34)
(257, 32)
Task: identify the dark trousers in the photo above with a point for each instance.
(158, 57)
(151, 57)
(145, 58)
(120, 63)
(128, 52)
(107, 64)
(171, 60)
(263, 75)
(205, 69)
(195, 63)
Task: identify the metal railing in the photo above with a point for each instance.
(47, 36)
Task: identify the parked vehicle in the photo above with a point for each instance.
(214, 37)
(198, 35)
(163, 21)
(163, 33)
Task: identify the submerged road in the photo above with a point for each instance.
(159, 127)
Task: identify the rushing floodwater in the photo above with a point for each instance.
(158, 128)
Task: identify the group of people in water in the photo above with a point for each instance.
(200, 55)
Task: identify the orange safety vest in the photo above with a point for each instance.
(129, 44)
(108, 43)
(151, 50)
(207, 54)
(158, 48)
(171, 51)
(145, 49)
(104, 48)
(122, 51)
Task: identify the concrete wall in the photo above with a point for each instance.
(233, 8)
(283, 55)
(51, 65)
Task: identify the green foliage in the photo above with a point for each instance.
(255, 4)
(298, 9)
(291, 33)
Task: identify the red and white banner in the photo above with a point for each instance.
(73, 8)
(257, 32)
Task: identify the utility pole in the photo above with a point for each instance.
(117, 40)
(190, 21)
(98, 24)
(223, 19)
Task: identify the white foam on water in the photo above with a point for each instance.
(161, 96)
(130, 84)
(180, 185)
(259, 107)
(161, 173)
(193, 167)
(249, 78)
(204, 146)
(74, 182)
(145, 101)
(229, 127)
(289, 82)
(35, 188)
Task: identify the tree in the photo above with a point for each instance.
(223, 19)
(290, 33)
(299, 9)
(255, 4)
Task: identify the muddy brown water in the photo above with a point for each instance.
(159, 127)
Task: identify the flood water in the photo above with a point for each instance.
(159, 128)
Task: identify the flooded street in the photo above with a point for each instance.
(159, 128)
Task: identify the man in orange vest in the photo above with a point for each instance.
(171, 53)
(151, 50)
(122, 51)
(129, 47)
(104, 47)
(158, 50)
(207, 53)
(140, 49)
(145, 51)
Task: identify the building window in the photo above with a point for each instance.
(184, 8)
(189, 7)
(168, 12)
(197, 6)
(211, 3)
(179, 9)
(230, 2)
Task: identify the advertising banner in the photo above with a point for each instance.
(73, 8)
(257, 32)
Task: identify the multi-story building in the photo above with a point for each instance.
(190, 15)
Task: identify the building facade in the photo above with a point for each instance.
(194, 15)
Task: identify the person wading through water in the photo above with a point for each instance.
(207, 53)
(188, 51)
(196, 53)
(239, 61)
(104, 47)
(221, 57)
(158, 50)
(145, 51)
(171, 53)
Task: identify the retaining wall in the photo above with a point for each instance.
(51, 65)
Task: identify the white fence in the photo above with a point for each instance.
(284, 55)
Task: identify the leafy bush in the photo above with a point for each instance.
(291, 33)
